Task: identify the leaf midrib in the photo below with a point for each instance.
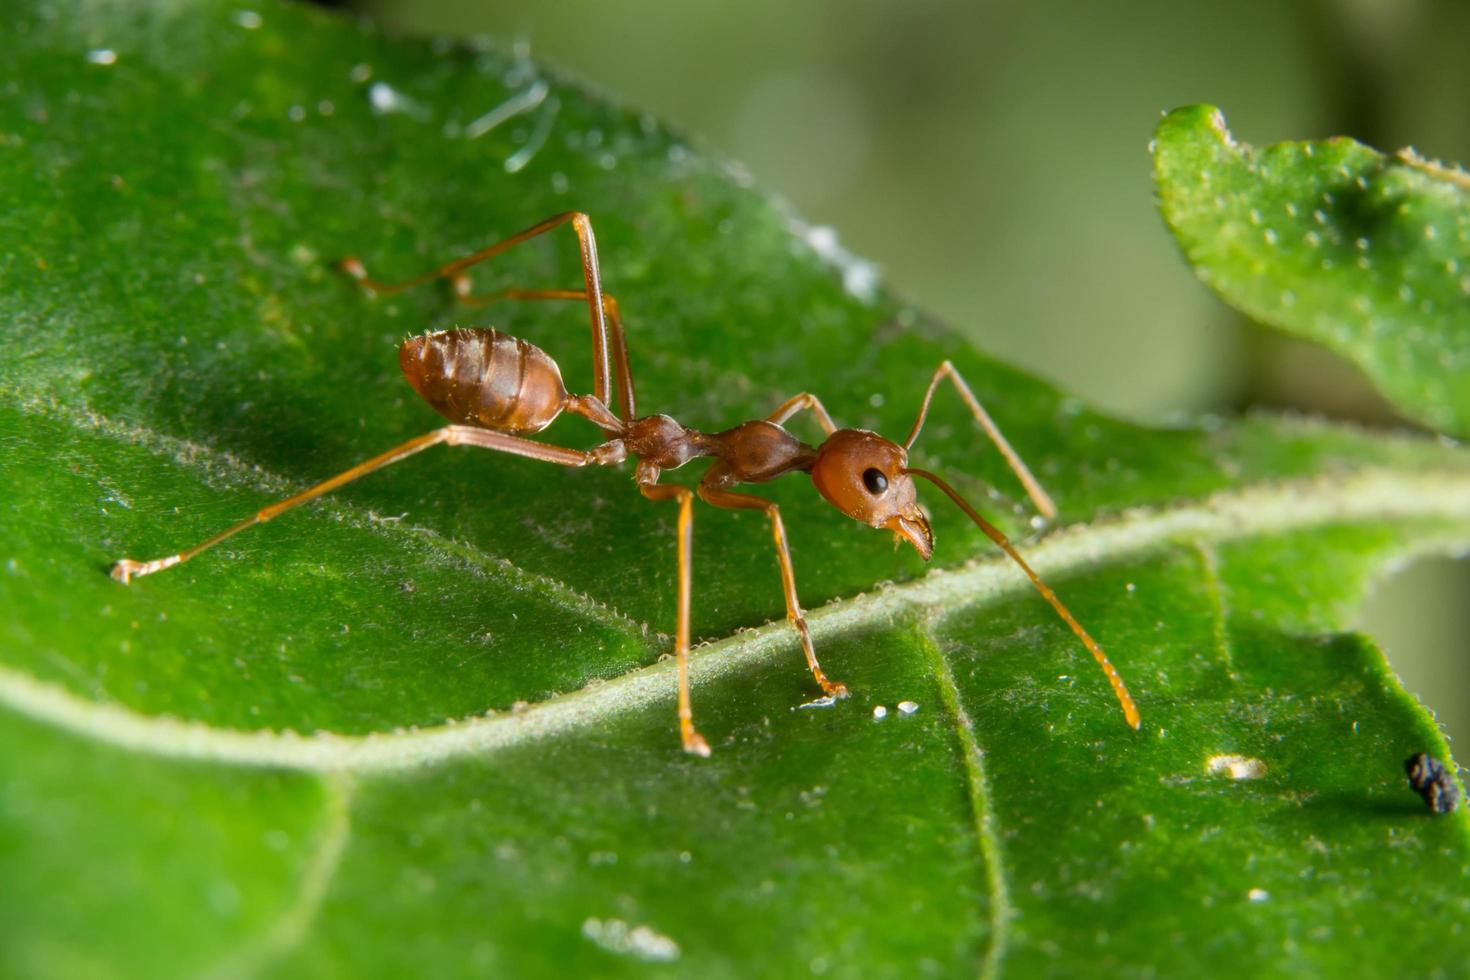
(1371, 494)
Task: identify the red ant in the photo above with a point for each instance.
(494, 388)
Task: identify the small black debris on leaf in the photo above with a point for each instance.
(1433, 781)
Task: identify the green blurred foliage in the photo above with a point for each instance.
(1335, 242)
(928, 134)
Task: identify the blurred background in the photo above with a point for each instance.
(992, 159)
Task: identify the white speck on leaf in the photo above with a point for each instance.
(385, 99)
(1236, 766)
(641, 942)
(545, 120)
(522, 102)
(859, 276)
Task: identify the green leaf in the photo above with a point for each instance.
(424, 727)
(1337, 243)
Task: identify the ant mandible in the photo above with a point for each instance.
(494, 388)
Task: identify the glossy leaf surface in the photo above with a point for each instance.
(423, 728)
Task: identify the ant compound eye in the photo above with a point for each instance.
(875, 481)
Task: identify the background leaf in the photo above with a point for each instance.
(1335, 242)
(277, 759)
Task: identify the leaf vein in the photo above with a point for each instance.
(1371, 494)
(1215, 589)
(1001, 909)
(223, 470)
(290, 929)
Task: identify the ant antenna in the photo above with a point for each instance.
(1018, 466)
(1130, 711)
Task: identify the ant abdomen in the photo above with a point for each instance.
(483, 377)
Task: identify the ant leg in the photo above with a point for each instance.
(1038, 496)
(694, 742)
(125, 569)
(452, 271)
(1130, 710)
(796, 403)
(743, 501)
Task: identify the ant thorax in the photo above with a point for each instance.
(660, 441)
(754, 452)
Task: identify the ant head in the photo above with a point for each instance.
(864, 475)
